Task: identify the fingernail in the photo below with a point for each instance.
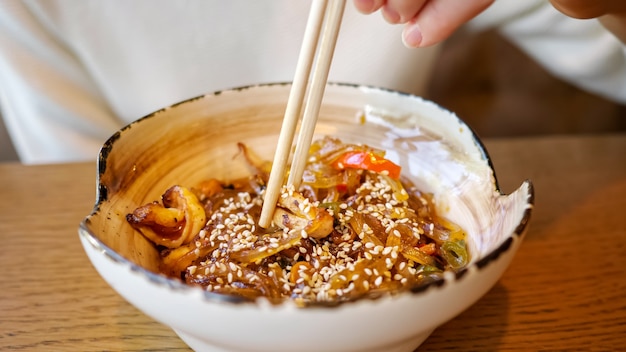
(412, 36)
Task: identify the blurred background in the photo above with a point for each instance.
(499, 92)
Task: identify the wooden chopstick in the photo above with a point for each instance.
(316, 92)
(330, 17)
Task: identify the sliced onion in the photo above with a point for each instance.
(266, 249)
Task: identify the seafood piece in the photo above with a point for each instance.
(295, 212)
(172, 223)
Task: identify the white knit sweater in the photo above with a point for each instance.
(73, 72)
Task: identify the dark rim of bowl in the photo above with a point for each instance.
(160, 279)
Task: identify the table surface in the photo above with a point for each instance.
(564, 290)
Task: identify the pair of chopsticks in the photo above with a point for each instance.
(320, 37)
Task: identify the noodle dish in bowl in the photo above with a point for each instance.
(396, 226)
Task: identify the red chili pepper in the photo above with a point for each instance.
(428, 248)
(367, 161)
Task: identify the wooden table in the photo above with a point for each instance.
(565, 290)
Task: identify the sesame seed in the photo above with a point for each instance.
(315, 277)
(378, 281)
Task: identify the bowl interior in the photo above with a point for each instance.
(197, 139)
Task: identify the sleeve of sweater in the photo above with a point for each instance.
(51, 106)
(581, 52)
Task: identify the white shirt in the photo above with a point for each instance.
(73, 72)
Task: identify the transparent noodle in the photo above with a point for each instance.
(353, 229)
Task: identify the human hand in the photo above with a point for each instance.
(426, 22)
(611, 13)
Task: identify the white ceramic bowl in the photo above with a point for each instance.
(195, 139)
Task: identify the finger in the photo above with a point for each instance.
(438, 19)
(585, 9)
(401, 11)
(368, 6)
